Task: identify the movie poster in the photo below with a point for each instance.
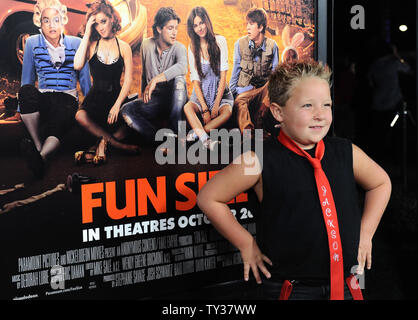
(129, 227)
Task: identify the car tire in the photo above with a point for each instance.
(18, 35)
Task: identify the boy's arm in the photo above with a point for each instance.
(28, 68)
(236, 70)
(212, 199)
(375, 181)
(180, 67)
(242, 103)
(28, 65)
(177, 69)
(143, 69)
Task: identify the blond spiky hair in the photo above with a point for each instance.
(41, 5)
(286, 75)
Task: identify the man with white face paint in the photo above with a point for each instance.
(164, 66)
(48, 111)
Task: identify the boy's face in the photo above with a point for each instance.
(307, 115)
(253, 30)
(168, 34)
(51, 25)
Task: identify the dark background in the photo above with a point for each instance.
(395, 243)
(360, 47)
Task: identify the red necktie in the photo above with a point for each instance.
(329, 213)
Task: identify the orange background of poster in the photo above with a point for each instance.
(228, 20)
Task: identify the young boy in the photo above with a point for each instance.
(255, 57)
(310, 230)
(164, 66)
(49, 59)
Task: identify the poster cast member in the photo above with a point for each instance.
(258, 101)
(48, 111)
(163, 84)
(261, 118)
(305, 252)
(255, 57)
(107, 57)
(208, 60)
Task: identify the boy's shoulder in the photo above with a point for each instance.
(150, 43)
(242, 39)
(334, 140)
(33, 39)
(37, 39)
(271, 42)
(270, 142)
(179, 46)
(331, 143)
(338, 147)
(147, 44)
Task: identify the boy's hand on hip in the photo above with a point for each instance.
(254, 259)
(364, 257)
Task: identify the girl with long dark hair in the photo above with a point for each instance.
(208, 61)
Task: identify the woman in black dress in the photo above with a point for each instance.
(108, 57)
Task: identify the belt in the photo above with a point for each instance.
(351, 281)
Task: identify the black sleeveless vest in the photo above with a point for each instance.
(290, 227)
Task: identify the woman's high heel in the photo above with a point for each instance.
(101, 159)
(85, 156)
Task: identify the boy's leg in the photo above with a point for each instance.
(51, 144)
(242, 106)
(59, 114)
(139, 115)
(179, 99)
(29, 104)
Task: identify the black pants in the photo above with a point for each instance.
(270, 290)
(167, 102)
(57, 109)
